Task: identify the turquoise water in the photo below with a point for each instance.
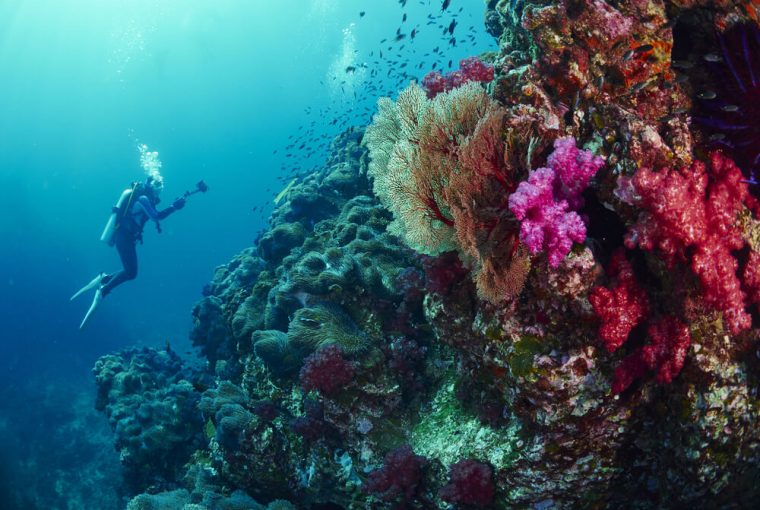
(242, 94)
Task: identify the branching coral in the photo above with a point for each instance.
(624, 306)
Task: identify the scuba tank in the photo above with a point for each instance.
(117, 212)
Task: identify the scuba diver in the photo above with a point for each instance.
(134, 208)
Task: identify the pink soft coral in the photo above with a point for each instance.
(690, 215)
(546, 203)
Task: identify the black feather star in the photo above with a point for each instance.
(731, 111)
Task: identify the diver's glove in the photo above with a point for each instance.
(179, 204)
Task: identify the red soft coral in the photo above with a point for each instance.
(669, 341)
(399, 477)
(326, 370)
(621, 307)
(470, 483)
(696, 208)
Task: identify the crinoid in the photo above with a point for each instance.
(730, 112)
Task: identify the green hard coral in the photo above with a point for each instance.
(273, 348)
(323, 324)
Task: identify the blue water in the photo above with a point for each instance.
(220, 89)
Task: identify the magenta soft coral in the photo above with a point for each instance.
(546, 204)
(622, 307)
(470, 69)
(690, 215)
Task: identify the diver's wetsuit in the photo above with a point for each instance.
(128, 232)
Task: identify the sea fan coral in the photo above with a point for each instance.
(441, 166)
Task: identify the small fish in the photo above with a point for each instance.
(403, 19)
(628, 54)
(644, 48)
(445, 5)
(282, 193)
(682, 64)
(708, 94)
(362, 13)
(712, 57)
(730, 108)
(452, 26)
(639, 86)
(350, 69)
(717, 137)
(400, 37)
(414, 32)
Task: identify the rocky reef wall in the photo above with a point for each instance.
(536, 291)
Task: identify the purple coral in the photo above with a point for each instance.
(311, 424)
(470, 483)
(400, 475)
(548, 201)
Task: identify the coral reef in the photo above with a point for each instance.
(151, 405)
(536, 291)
